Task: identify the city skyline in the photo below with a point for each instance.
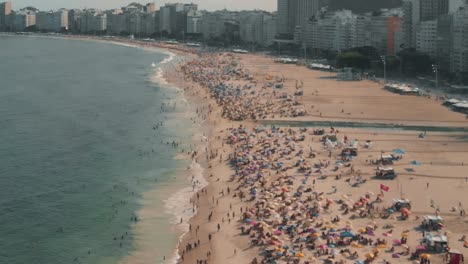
(269, 5)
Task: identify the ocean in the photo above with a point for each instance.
(88, 172)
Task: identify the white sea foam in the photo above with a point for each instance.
(180, 206)
(168, 59)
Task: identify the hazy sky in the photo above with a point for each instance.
(107, 4)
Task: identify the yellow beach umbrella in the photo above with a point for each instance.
(299, 254)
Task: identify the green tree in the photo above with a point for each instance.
(415, 62)
(352, 59)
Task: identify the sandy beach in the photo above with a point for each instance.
(287, 195)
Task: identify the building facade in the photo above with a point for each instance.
(426, 37)
(52, 21)
(5, 11)
(459, 58)
(24, 19)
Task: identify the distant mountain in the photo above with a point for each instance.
(363, 6)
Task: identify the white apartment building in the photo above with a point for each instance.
(331, 31)
(116, 21)
(212, 24)
(165, 18)
(92, 20)
(269, 30)
(426, 37)
(194, 21)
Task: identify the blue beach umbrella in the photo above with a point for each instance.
(416, 163)
(399, 151)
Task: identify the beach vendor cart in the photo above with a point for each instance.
(349, 152)
(435, 242)
(319, 131)
(398, 204)
(330, 137)
(432, 222)
(386, 173)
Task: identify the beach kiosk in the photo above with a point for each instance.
(386, 173)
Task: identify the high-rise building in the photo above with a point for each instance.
(432, 9)
(417, 11)
(459, 58)
(283, 17)
(73, 20)
(444, 41)
(426, 37)
(5, 11)
(296, 13)
(116, 22)
(165, 13)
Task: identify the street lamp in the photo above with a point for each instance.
(435, 69)
(384, 61)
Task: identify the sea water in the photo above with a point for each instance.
(87, 167)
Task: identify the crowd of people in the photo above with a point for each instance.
(237, 92)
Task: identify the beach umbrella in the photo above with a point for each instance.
(405, 211)
(323, 246)
(347, 234)
(421, 247)
(399, 151)
(425, 256)
(299, 255)
(369, 255)
(416, 163)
